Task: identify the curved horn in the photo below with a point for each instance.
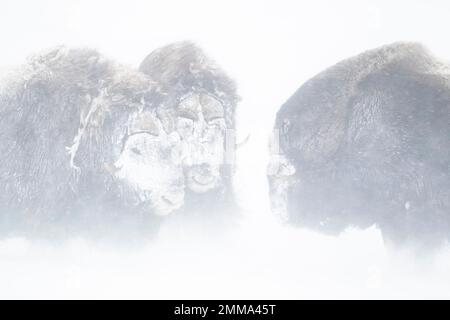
(243, 142)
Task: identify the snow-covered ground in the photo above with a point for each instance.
(270, 48)
(263, 262)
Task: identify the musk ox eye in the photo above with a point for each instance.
(215, 121)
(188, 114)
(136, 151)
(211, 107)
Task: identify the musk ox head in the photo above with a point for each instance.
(80, 133)
(198, 102)
(149, 163)
(363, 143)
(141, 156)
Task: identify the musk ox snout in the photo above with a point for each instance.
(169, 200)
(202, 177)
(147, 165)
(281, 174)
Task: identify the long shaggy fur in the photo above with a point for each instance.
(370, 140)
(182, 68)
(62, 116)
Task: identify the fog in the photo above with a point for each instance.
(270, 48)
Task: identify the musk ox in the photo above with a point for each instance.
(82, 148)
(198, 101)
(367, 142)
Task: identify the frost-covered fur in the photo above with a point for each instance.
(183, 71)
(63, 118)
(182, 68)
(369, 139)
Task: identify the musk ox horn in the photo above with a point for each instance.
(243, 142)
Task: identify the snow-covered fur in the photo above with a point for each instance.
(186, 75)
(64, 119)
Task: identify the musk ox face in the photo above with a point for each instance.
(200, 122)
(198, 102)
(320, 197)
(149, 163)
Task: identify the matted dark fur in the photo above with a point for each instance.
(370, 141)
(51, 183)
(182, 68)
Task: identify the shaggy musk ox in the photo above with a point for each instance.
(82, 149)
(367, 142)
(198, 101)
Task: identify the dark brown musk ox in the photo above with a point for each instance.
(198, 101)
(367, 142)
(82, 150)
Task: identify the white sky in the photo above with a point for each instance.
(269, 48)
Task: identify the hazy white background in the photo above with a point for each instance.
(270, 48)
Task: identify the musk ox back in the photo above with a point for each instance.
(82, 149)
(198, 102)
(367, 142)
